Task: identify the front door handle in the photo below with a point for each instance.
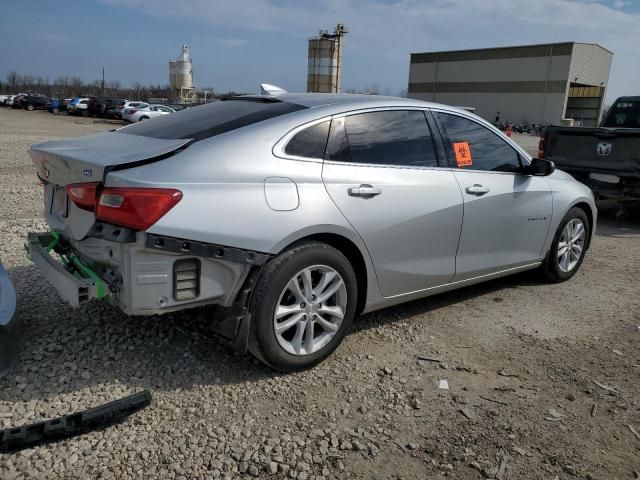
(364, 191)
(477, 189)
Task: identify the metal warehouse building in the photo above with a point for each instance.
(526, 84)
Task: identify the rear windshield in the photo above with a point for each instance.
(624, 114)
(211, 119)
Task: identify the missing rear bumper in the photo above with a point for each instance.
(75, 282)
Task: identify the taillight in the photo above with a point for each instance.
(542, 144)
(84, 194)
(130, 112)
(136, 208)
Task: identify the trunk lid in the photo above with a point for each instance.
(85, 160)
(90, 158)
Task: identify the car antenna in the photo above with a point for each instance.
(269, 89)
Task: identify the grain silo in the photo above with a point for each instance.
(181, 77)
(325, 61)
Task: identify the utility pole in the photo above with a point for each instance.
(103, 81)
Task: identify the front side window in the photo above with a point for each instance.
(475, 147)
(390, 137)
(309, 142)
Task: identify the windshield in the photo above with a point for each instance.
(211, 119)
(624, 114)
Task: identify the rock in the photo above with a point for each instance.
(346, 445)
(571, 397)
(571, 470)
(272, 469)
(253, 471)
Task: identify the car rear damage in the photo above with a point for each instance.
(99, 247)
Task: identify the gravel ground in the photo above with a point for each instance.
(521, 359)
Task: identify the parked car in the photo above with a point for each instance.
(16, 102)
(98, 106)
(8, 101)
(298, 212)
(128, 105)
(114, 109)
(78, 106)
(145, 113)
(34, 102)
(606, 158)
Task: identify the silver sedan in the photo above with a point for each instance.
(297, 212)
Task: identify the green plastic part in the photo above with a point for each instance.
(54, 242)
(100, 286)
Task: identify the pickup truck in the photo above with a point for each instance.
(605, 158)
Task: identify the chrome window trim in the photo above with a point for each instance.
(278, 149)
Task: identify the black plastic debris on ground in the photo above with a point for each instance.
(27, 436)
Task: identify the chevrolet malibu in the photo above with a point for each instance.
(298, 212)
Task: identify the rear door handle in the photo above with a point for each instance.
(477, 189)
(364, 191)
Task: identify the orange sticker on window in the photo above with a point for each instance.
(463, 154)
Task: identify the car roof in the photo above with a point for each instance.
(350, 101)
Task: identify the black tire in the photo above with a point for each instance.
(85, 113)
(143, 118)
(30, 107)
(277, 273)
(56, 110)
(550, 268)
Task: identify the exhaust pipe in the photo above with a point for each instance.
(8, 350)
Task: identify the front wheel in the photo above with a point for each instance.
(30, 108)
(143, 118)
(568, 248)
(302, 306)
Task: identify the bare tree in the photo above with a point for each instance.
(114, 86)
(13, 78)
(76, 85)
(137, 88)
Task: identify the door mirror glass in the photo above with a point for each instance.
(540, 167)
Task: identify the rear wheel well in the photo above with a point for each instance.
(353, 254)
(589, 213)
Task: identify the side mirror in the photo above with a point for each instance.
(540, 167)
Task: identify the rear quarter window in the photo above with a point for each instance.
(209, 120)
(310, 142)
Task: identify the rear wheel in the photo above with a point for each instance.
(30, 108)
(302, 307)
(143, 118)
(56, 110)
(85, 113)
(568, 248)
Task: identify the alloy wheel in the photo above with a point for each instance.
(310, 310)
(571, 245)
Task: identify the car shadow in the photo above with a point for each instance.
(615, 219)
(61, 349)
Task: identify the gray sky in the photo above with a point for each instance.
(237, 44)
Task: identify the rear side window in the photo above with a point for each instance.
(309, 142)
(390, 137)
(624, 114)
(475, 147)
(209, 120)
